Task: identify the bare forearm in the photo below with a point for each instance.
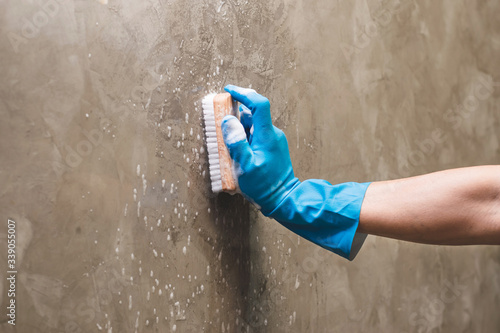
(455, 207)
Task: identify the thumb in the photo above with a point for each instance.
(236, 140)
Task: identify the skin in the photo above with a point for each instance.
(451, 207)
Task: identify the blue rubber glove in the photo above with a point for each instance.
(325, 214)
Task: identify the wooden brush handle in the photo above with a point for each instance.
(223, 106)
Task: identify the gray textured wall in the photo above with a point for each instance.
(104, 171)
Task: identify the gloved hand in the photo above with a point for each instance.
(316, 210)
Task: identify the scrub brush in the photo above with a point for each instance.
(215, 107)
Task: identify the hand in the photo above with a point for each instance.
(325, 214)
(259, 151)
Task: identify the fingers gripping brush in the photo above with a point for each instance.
(215, 107)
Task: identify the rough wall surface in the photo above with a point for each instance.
(104, 171)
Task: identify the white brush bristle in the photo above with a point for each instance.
(211, 140)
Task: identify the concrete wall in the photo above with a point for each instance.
(103, 166)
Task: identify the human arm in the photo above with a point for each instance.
(451, 207)
(458, 206)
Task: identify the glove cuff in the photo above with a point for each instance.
(325, 214)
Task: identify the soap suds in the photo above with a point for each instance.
(233, 130)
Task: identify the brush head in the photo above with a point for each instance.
(215, 108)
